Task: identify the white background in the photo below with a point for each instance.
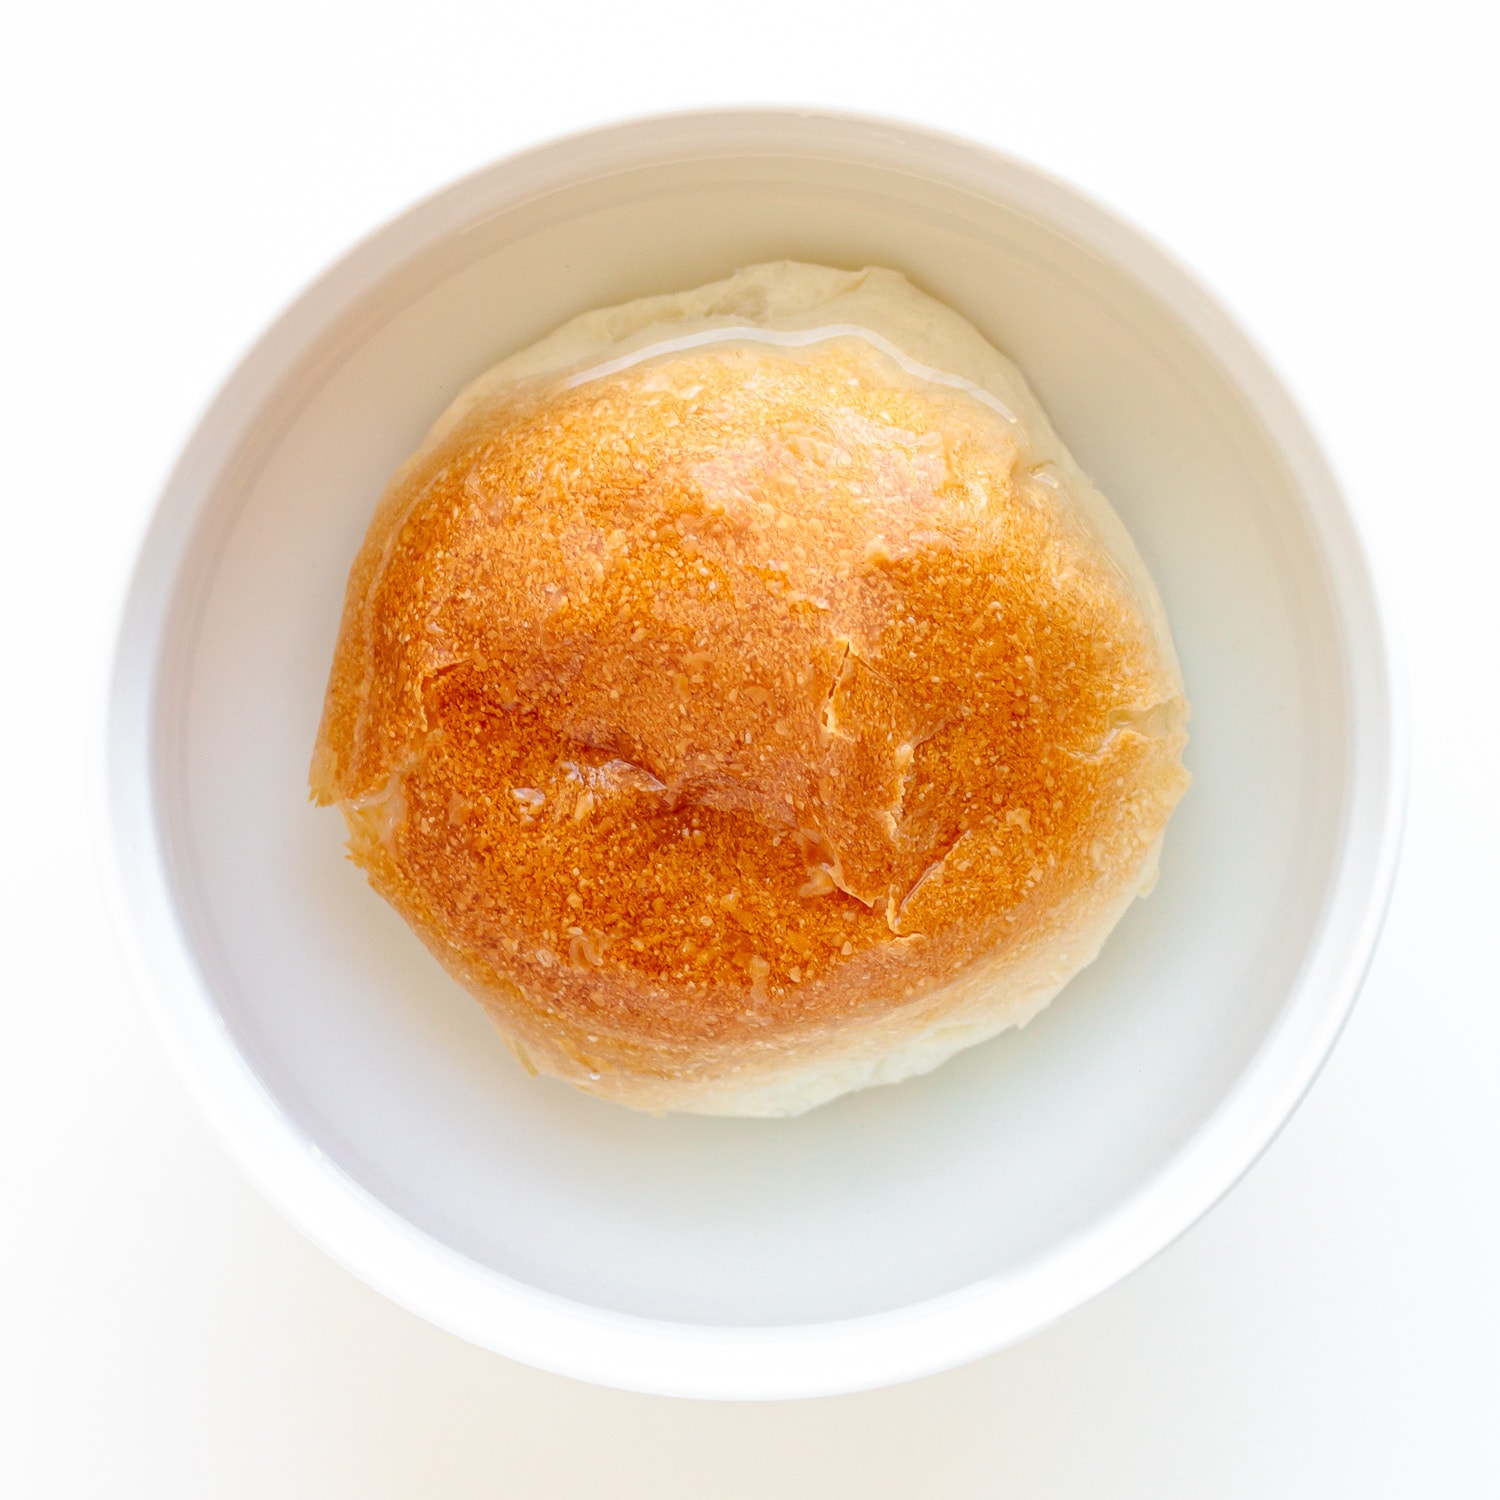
(173, 174)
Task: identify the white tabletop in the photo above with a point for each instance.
(174, 173)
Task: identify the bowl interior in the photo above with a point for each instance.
(885, 1198)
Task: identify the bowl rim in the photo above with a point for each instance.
(724, 1362)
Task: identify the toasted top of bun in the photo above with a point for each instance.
(745, 695)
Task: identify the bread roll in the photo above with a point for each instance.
(745, 696)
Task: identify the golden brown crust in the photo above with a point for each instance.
(711, 714)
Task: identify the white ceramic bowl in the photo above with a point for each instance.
(893, 1232)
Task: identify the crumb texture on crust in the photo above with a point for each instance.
(748, 721)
